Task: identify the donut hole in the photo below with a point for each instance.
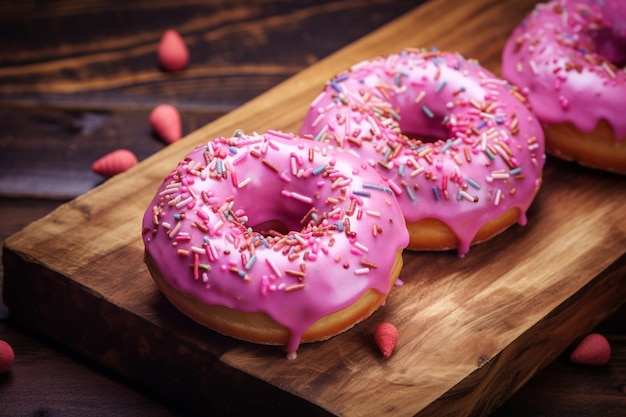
(430, 131)
(611, 45)
(413, 136)
(282, 220)
(269, 227)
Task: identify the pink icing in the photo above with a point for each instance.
(489, 148)
(343, 228)
(568, 56)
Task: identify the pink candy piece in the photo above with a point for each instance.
(172, 52)
(114, 163)
(166, 123)
(7, 356)
(593, 350)
(386, 337)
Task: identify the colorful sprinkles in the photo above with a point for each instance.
(434, 121)
(325, 206)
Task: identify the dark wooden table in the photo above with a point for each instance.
(78, 79)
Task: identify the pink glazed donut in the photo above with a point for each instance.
(459, 147)
(568, 56)
(274, 239)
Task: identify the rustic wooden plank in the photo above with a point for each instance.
(545, 395)
(472, 329)
(47, 153)
(91, 55)
(78, 80)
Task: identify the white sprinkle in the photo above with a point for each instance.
(319, 118)
(500, 175)
(608, 69)
(361, 246)
(168, 191)
(300, 197)
(273, 266)
(496, 198)
(244, 182)
(183, 203)
(418, 171)
(175, 230)
(361, 271)
(197, 249)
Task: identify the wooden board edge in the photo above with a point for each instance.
(508, 371)
(120, 340)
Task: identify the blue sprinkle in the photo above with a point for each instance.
(428, 112)
(250, 262)
(319, 170)
(336, 87)
(340, 226)
(409, 191)
(515, 171)
(436, 192)
(449, 143)
(401, 169)
(219, 168)
(473, 183)
(490, 154)
(341, 78)
(362, 193)
(319, 135)
(440, 86)
(232, 150)
(481, 124)
(378, 187)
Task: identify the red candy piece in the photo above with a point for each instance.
(114, 163)
(6, 356)
(166, 123)
(172, 52)
(593, 350)
(386, 337)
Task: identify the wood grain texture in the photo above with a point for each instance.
(79, 78)
(100, 59)
(473, 330)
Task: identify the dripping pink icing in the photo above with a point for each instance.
(200, 228)
(489, 151)
(568, 56)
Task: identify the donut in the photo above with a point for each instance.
(568, 57)
(273, 239)
(459, 147)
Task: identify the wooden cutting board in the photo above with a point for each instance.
(472, 330)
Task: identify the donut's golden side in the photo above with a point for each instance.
(597, 149)
(259, 327)
(433, 234)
